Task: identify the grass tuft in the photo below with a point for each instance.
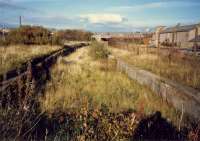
(83, 83)
(12, 56)
(98, 51)
(184, 70)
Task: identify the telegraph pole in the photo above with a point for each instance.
(20, 21)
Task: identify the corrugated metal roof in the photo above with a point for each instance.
(184, 28)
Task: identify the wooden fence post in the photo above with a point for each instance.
(19, 87)
(2, 91)
(28, 84)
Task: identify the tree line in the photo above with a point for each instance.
(38, 35)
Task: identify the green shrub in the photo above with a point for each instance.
(98, 51)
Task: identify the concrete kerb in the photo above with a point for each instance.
(183, 98)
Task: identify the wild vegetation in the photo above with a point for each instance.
(26, 42)
(13, 56)
(106, 103)
(169, 64)
(73, 35)
(37, 35)
(86, 99)
(27, 35)
(98, 51)
(97, 81)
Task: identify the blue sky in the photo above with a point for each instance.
(101, 15)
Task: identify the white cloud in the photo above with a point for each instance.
(102, 18)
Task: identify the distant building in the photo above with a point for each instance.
(120, 35)
(101, 37)
(4, 32)
(178, 36)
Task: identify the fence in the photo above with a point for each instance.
(31, 77)
(163, 50)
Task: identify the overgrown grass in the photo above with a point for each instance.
(184, 70)
(98, 50)
(82, 82)
(86, 99)
(13, 56)
(103, 103)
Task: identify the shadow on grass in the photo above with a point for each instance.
(26, 122)
(68, 127)
(156, 128)
(20, 114)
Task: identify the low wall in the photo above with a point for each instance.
(18, 85)
(11, 74)
(181, 97)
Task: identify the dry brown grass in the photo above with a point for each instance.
(13, 56)
(79, 81)
(182, 69)
(75, 100)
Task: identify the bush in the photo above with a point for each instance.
(29, 35)
(74, 35)
(37, 35)
(98, 51)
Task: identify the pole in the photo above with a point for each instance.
(20, 21)
(195, 40)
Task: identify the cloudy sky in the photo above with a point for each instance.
(100, 15)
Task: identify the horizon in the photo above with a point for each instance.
(100, 16)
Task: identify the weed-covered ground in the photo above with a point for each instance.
(182, 69)
(83, 97)
(12, 56)
(92, 101)
(78, 79)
